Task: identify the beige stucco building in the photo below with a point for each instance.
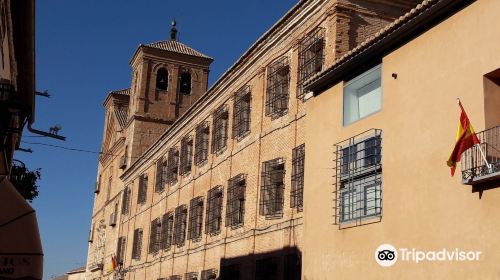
(278, 170)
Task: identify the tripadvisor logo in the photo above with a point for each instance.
(387, 255)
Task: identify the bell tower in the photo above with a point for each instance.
(167, 78)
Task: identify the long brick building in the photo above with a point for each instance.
(198, 183)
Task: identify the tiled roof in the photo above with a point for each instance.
(122, 116)
(125, 91)
(426, 4)
(178, 47)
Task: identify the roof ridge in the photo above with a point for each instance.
(178, 47)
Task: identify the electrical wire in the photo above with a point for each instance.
(70, 149)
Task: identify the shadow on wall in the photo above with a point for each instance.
(284, 264)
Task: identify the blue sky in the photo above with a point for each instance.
(82, 52)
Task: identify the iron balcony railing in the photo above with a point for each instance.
(474, 168)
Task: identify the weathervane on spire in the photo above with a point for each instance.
(173, 31)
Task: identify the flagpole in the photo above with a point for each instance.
(478, 145)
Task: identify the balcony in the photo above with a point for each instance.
(96, 266)
(474, 170)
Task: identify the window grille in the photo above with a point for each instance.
(180, 225)
(201, 145)
(191, 276)
(143, 189)
(159, 184)
(120, 250)
(173, 165)
(297, 192)
(137, 244)
(358, 179)
(278, 87)
(154, 236)
(235, 207)
(126, 200)
(241, 112)
(220, 122)
(167, 230)
(214, 211)
(195, 218)
(209, 274)
(186, 155)
(272, 188)
(311, 57)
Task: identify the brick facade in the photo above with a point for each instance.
(157, 122)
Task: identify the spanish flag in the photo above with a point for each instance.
(465, 138)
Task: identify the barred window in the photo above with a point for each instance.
(214, 211)
(180, 225)
(186, 155)
(191, 276)
(137, 244)
(120, 249)
(272, 188)
(159, 184)
(173, 165)
(297, 192)
(201, 145)
(235, 207)
(209, 274)
(154, 236)
(195, 218)
(219, 135)
(126, 200)
(167, 230)
(278, 87)
(241, 112)
(143, 189)
(311, 57)
(358, 179)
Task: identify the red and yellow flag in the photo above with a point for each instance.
(465, 138)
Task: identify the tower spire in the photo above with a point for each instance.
(173, 31)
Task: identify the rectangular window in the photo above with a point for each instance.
(175, 277)
(143, 189)
(137, 244)
(358, 178)
(363, 95)
(235, 207)
(120, 249)
(210, 274)
(201, 145)
(214, 211)
(159, 184)
(191, 276)
(173, 165)
(272, 188)
(154, 236)
(278, 87)
(195, 218)
(167, 230)
(126, 200)
(108, 193)
(241, 112)
(220, 123)
(186, 155)
(311, 57)
(297, 192)
(180, 225)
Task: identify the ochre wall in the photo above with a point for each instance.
(423, 207)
